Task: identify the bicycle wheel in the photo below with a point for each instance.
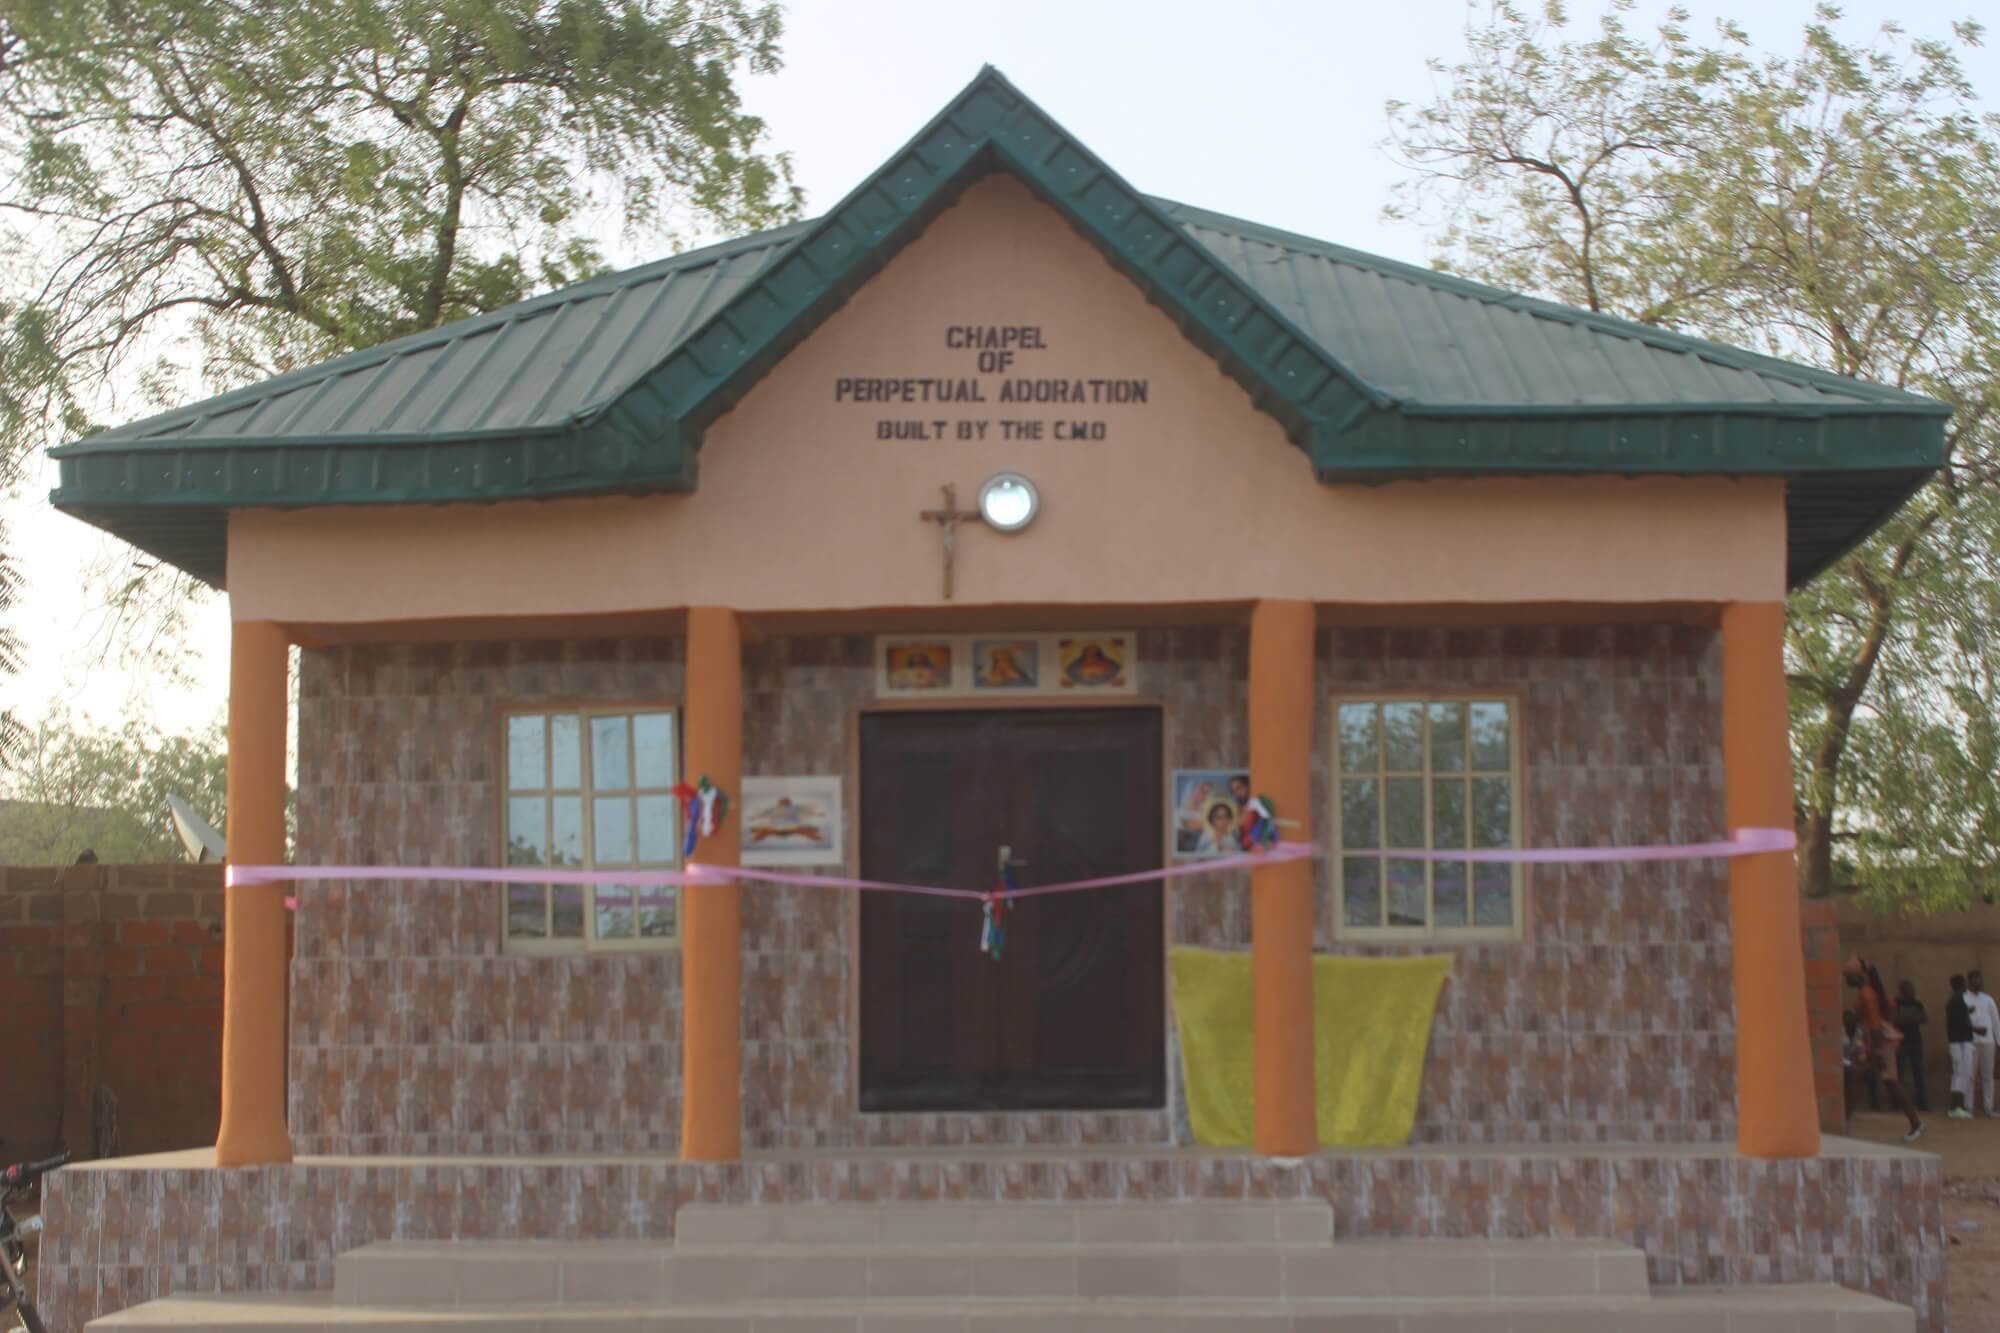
(31, 1320)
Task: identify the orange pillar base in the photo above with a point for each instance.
(1776, 1115)
(1281, 896)
(712, 914)
(253, 919)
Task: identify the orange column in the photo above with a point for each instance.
(1281, 905)
(253, 918)
(1776, 1115)
(711, 915)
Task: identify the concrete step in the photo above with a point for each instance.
(1002, 1223)
(1802, 1309)
(421, 1273)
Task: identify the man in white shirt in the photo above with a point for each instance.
(1985, 1032)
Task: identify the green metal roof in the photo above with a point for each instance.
(1380, 371)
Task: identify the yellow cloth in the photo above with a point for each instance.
(1372, 1023)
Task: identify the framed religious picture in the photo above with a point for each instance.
(1098, 663)
(1006, 664)
(918, 666)
(793, 821)
(1010, 664)
(1208, 806)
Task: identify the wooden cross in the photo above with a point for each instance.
(949, 518)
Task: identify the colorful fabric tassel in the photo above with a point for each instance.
(993, 926)
(1258, 829)
(703, 808)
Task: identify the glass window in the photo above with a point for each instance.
(1414, 774)
(589, 789)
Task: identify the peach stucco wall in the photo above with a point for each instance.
(1192, 496)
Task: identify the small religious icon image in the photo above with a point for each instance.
(1092, 664)
(1006, 664)
(1208, 810)
(919, 665)
(792, 821)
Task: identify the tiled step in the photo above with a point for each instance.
(1792, 1309)
(403, 1273)
(1002, 1223)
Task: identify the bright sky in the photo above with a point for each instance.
(1268, 109)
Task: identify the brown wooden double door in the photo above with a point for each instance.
(1071, 1017)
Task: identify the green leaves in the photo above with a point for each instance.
(272, 184)
(1839, 205)
(238, 189)
(75, 787)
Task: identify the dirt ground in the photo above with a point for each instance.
(1970, 1151)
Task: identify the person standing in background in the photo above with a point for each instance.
(1958, 1038)
(1910, 1019)
(1879, 1037)
(1985, 1031)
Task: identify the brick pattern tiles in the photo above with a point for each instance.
(1872, 1222)
(1612, 1021)
(413, 1033)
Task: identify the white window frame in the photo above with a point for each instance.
(1429, 932)
(588, 942)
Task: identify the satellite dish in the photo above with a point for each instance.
(203, 843)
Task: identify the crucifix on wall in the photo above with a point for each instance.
(948, 519)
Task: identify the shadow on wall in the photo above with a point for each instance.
(112, 975)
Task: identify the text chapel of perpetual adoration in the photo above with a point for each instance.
(998, 397)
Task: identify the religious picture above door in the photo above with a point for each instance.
(979, 665)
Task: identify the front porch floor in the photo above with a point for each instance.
(1863, 1215)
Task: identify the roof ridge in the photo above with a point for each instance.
(1736, 358)
(603, 284)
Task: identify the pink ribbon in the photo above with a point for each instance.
(1744, 842)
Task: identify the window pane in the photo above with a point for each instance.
(1358, 826)
(611, 830)
(1492, 813)
(653, 749)
(1404, 825)
(1358, 751)
(656, 913)
(610, 752)
(1493, 896)
(1448, 812)
(657, 817)
(527, 831)
(614, 914)
(527, 912)
(565, 751)
(1448, 893)
(1403, 738)
(1490, 728)
(527, 760)
(1447, 737)
(1406, 893)
(566, 814)
(1361, 891)
(567, 911)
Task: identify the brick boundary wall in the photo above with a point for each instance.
(114, 976)
(1820, 923)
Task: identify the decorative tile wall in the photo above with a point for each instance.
(414, 1033)
(411, 1032)
(1867, 1219)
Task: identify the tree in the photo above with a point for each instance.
(211, 191)
(1838, 205)
(75, 788)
